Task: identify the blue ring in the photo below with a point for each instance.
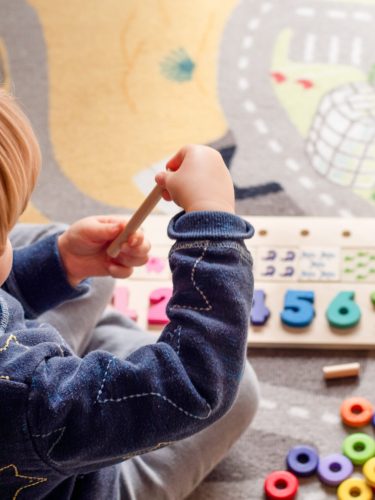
(302, 460)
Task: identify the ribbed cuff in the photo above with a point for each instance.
(211, 225)
(40, 276)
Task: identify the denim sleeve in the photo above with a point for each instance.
(38, 279)
(89, 413)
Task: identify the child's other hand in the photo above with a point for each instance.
(83, 249)
(199, 180)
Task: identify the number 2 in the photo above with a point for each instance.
(159, 299)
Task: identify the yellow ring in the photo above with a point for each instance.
(354, 488)
(369, 471)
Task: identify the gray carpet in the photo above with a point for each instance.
(288, 71)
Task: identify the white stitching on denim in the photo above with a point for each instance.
(132, 396)
(4, 315)
(48, 433)
(60, 429)
(208, 305)
(57, 440)
(178, 331)
(104, 379)
(243, 251)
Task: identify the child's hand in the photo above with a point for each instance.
(200, 180)
(83, 249)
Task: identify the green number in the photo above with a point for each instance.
(343, 312)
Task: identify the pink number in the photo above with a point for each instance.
(158, 302)
(155, 264)
(120, 301)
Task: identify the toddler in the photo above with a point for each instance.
(90, 406)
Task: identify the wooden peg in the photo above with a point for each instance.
(341, 371)
(135, 221)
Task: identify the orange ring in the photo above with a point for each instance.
(356, 412)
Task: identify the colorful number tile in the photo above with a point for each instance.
(158, 303)
(358, 265)
(259, 311)
(276, 264)
(298, 309)
(319, 264)
(120, 301)
(343, 312)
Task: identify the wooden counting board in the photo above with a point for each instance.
(314, 282)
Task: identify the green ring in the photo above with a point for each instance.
(359, 457)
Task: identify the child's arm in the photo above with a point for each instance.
(91, 412)
(53, 269)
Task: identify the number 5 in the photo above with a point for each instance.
(298, 308)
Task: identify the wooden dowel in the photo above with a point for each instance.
(341, 371)
(136, 220)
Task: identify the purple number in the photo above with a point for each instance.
(259, 312)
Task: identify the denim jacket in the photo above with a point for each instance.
(67, 422)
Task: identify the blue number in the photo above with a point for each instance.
(298, 308)
(259, 312)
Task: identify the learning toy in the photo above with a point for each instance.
(259, 312)
(298, 308)
(157, 312)
(343, 312)
(155, 264)
(341, 371)
(369, 472)
(322, 253)
(354, 488)
(120, 301)
(136, 220)
(302, 460)
(356, 412)
(359, 448)
(373, 420)
(334, 469)
(281, 485)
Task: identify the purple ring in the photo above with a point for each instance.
(373, 420)
(302, 460)
(334, 469)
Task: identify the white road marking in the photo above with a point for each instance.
(243, 84)
(266, 7)
(266, 404)
(306, 182)
(334, 49)
(299, 412)
(327, 199)
(253, 24)
(310, 45)
(247, 42)
(292, 164)
(249, 106)
(330, 418)
(337, 14)
(362, 16)
(345, 213)
(305, 12)
(243, 62)
(356, 53)
(275, 146)
(261, 126)
(315, 495)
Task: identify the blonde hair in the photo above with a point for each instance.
(19, 163)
